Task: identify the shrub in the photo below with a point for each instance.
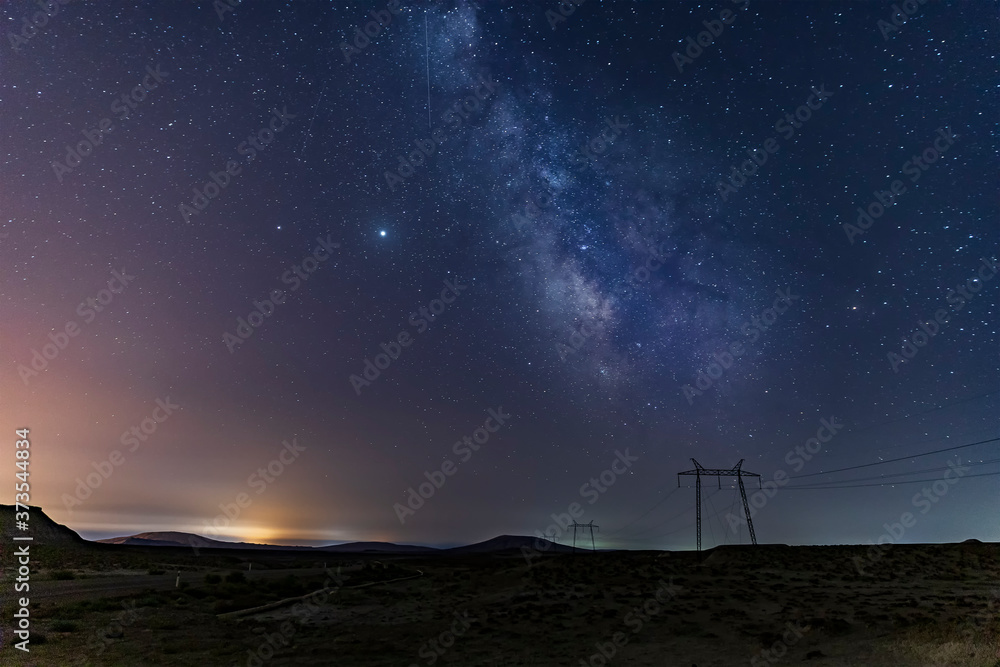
(236, 578)
(224, 607)
(62, 575)
(212, 579)
(63, 626)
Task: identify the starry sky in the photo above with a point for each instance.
(524, 247)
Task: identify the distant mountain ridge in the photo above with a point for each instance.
(173, 538)
(512, 543)
(497, 544)
(45, 530)
(179, 539)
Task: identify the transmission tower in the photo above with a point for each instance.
(581, 526)
(718, 473)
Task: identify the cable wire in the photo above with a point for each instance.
(901, 458)
(644, 514)
(914, 481)
(896, 474)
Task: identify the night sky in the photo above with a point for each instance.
(577, 279)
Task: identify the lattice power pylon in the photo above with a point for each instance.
(589, 526)
(718, 473)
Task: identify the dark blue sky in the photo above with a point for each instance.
(569, 219)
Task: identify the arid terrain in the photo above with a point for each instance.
(100, 604)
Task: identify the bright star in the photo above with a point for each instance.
(382, 233)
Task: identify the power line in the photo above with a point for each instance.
(644, 514)
(913, 481)
(828, 485)
(656, 537)
(896, 474)
(668, 519)
(684, 527)
(901, 458)
(635, 538)
(715, 514)
(732, 506)
(672, 532)
(849, 483)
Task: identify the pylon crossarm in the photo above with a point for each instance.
(731, 472)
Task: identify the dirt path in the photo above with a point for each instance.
(111, 586)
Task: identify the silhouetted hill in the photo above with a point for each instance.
(379, 547)
(173, 538)
(43, 529)
(47, 531)
(179, 539)
(512, 543)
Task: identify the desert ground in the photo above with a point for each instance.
(735, 605)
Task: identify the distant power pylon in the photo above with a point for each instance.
(718, 473)
(591, 526)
